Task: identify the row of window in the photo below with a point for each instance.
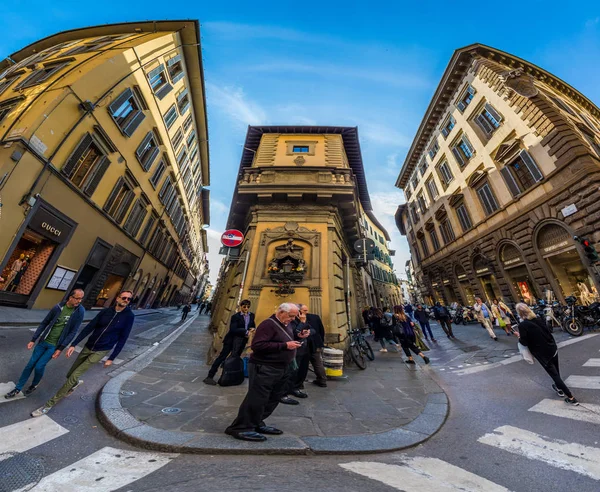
(383, 275)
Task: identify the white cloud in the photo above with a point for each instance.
(382, 134)
(234, 104)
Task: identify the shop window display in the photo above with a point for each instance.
(573, 277)
(109, 290)
(26, 263)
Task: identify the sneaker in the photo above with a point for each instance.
(433, 340)
(12, 394)
(426, 359)
(383, 350)
(29, 390)
(79, 383)
(410, 361)
(210, 381)
(41, 411)
(559, 392)
(495, 339)
(572, 401)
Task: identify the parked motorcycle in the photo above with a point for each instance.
(577, 317)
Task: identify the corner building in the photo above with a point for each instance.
(301, 200)
(103, 166)
(503, 172)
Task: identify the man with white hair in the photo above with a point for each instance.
(269, 367)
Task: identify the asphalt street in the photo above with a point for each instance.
(507, 430)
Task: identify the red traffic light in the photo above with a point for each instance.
(585, 243)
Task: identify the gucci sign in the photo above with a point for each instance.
(51, 229)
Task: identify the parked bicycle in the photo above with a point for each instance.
(360, 350)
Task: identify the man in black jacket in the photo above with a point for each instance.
(316, 345)
(442, 315)
(239, 328)
(108, 330)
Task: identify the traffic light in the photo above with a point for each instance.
(588, 248)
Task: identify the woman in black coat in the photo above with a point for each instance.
(404, 327)
(535, 335)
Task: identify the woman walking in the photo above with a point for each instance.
(501, 312)
(382, 330)
(407, 335)
(535, 335)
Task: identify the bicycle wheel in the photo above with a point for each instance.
(366, 347)
(357, 356)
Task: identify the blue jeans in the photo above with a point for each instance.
(42, 353)
(426, 328)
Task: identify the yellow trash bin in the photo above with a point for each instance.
(333, 360)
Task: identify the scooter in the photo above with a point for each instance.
(578, 317)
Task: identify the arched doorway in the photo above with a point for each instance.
(145, 300)
(486, 277)
(464, 285)
(569, 274)
(516, 272)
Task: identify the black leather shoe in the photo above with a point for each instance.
(210, 381)
(299, 394)
(267, 429)
(320, 384)
(286, 400)
(247, 436)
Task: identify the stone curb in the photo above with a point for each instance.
(121, 424)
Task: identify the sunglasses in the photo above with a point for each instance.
(126, 298)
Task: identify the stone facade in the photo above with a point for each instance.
(527, 183)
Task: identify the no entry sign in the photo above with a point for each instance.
(232, 238)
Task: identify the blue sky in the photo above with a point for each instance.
(373, 64)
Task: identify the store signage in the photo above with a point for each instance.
(512, 261)
(482, 270)
(554, 247)
(462, 276)
(569, 210)
(434, 284)
(49, 226)
(446, 281)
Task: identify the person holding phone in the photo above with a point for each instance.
(302, 332)
(269, 367)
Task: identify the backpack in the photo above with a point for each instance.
(233, 371)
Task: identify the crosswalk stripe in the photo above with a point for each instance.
(561, 454)
(28, 434)
(423, 474)
(592, 363)
(107, 469)
(5, 388)
(585, 412)
(583, 382)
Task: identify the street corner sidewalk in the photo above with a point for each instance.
(167, 407)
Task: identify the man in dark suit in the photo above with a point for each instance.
(316, 344)
(239, 328)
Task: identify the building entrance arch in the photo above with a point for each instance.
(567, 272)
(489, 284)
(516, 271)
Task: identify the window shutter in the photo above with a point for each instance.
(484, 124)
(174, 60)
(119, 101)
(510, 181)
(113, 194)
(125, 206)
(69, 168)
(493, 112)
(97, 176)
(150, 159)
(164, 90)
(531, 165)
(132, 217)
(134, 122)
(140, 150)
(458, 156)
(461, 106)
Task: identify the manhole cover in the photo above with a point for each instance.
(70, 419)
(127, 393)
(19, 471)
(171, 410)
(473, 348)
(86, 397)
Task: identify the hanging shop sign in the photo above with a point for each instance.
(49, 226)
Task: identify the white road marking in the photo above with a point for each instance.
(561, 454)
(107, 469)
(423, 475)
(516, 358)
(5, 388)
(153, 332)
(28, 434)
(585, 412)
(592, 363)
(583, 382)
